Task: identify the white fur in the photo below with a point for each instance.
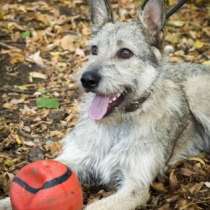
(124, 148)
(148, 77)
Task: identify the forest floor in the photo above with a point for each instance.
(42, 46)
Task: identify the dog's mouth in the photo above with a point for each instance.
(103, 105)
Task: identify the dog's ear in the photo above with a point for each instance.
(152, 17)
(101, 13)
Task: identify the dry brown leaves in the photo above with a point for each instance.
(42, 45)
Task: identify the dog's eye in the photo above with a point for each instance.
(124, 53)
(94, 50)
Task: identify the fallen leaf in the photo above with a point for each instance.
(158, 186)
(198, 160)
(173, 180)
(46, 102)
(196, 187)
(206, 62)
(36, 75)
(37, 59)
(53, 147)
(35, 154)
(207, 184)
(172, 38)
(198, 44)
(176, 23)
(186, 172)
(25, 34)
(67, 42)
(9, 162)
(16, 57)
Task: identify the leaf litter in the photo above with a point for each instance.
(42, 46)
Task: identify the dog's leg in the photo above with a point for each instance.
(5, 204)
(197, 90)
(139, 168)
(75, 155)
(128, 197)
(71, 155)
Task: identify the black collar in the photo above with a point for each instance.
(136, 104)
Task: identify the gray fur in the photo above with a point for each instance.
(128, 150)
(100, 13)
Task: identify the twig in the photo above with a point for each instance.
(6, 90)
(26, 135)
(175, 8)
(10, 47)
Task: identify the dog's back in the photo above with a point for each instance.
(194, 80)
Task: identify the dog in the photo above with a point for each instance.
(140, 113)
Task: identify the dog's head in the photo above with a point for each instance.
(123, 60)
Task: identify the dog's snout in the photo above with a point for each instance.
(90, 80)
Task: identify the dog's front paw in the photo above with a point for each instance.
(5, 204)
(104, 204)
(123, 200)
(98, 206)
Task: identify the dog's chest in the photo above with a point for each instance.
(111, 146)
(102, 139)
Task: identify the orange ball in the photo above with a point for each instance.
(46, 185)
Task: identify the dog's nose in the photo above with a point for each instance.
(90, 80)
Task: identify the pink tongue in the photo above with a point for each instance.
(98, 107)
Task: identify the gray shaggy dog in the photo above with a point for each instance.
(140, 113)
